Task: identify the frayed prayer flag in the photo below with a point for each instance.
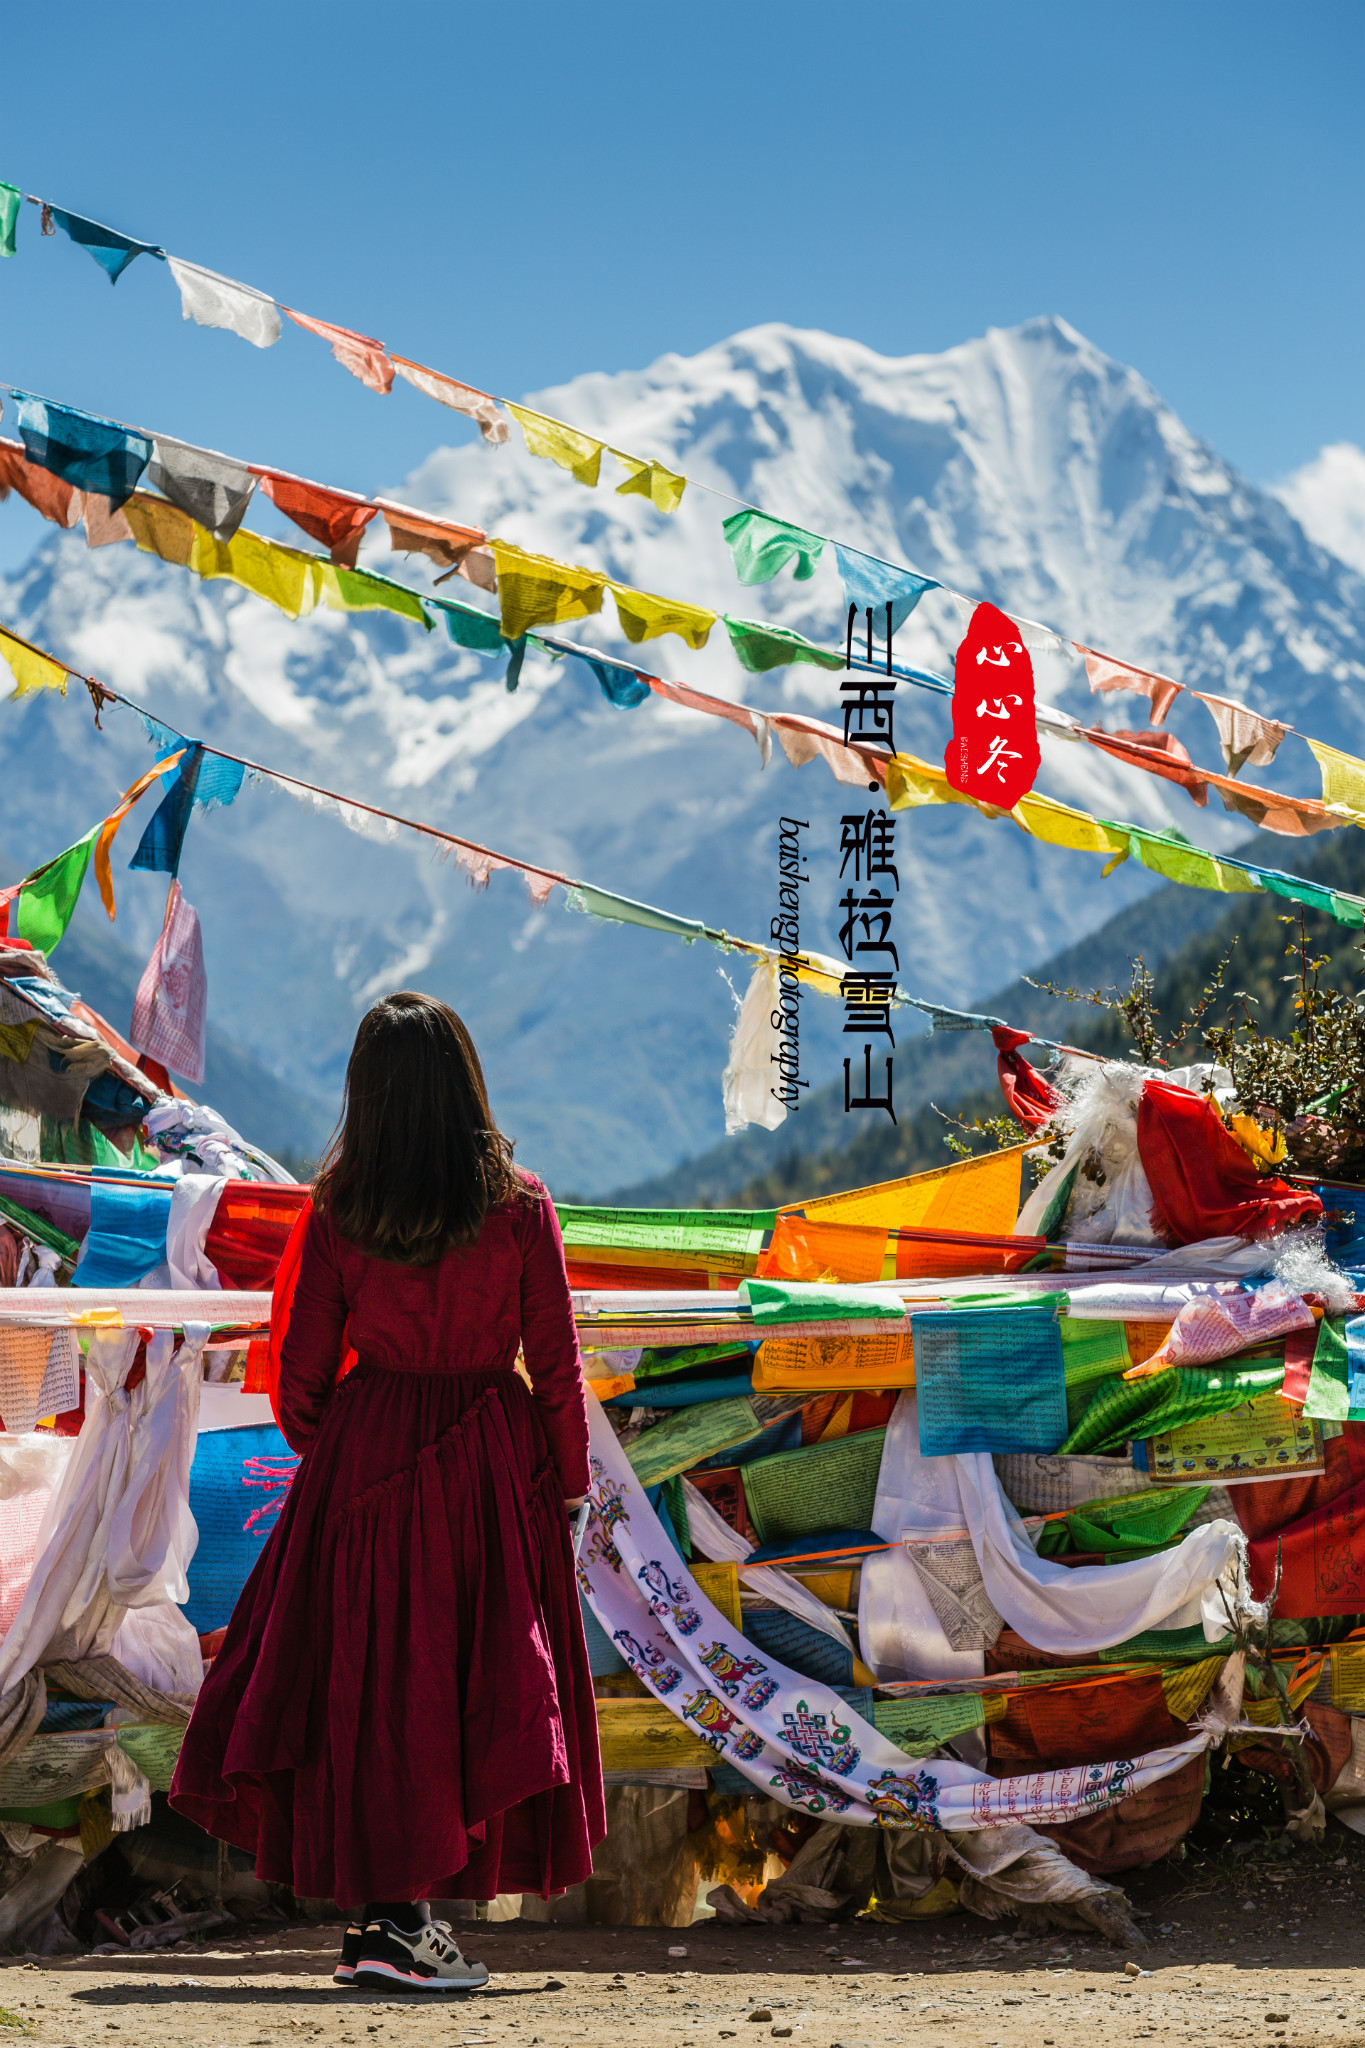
(170, 1011)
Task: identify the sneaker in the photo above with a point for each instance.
(428, 1960)
(344, 1973)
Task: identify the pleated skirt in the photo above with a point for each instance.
(402, 1706)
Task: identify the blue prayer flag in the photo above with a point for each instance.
(620, 686)
(127, 1232)
(989, 1379)
(91, 453)
(870, 582)
(161, 845)
(112, 251)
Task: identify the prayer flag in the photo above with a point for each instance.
(213, 489)
(534, 590)
(993, 754)
(1343, 776)
(104, 523)
(361, 590)
(469, 627)
(644, 617)
(46, 493)
(1106, 674)
(1030, 1099)
(417, 533)
(161, 529)
(161, 845)
(872, 585)
(213, 301)
(92, 453)
(1171, 854)
(578, 453)
(9, 214)
(1203, 1184)
(170, 1010)
(1159, 753)
(112, 251)
(359, 353)
(336, 518)
(989, 1380)
(663, 487)
(107, 831)
(32, 670)
(47, 898)
(974, 1194)
(761, 647)
(760, 547)
(280, 574)
(620, 686)
(1247, 739)
(459, 397)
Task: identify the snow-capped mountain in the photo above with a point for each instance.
(1025, 467)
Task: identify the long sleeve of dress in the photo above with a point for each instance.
(549, 1344)
(311, 1352)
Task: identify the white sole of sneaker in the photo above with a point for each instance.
(389, 1973)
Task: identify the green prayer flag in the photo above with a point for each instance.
(664, 1362)
(47, 900)
(760, 547)
(729, 1234)
(1171, 854)
(764, 647)
(805, 1301)
(1091, 1352)
(1055, 1213)
(818, 1488)
(154, 1747)
(361, 590)
(1121, 1410)
(920, 1725)
(1328, 1396)
(689, 1435)
(1131, 1525)
(9, 214)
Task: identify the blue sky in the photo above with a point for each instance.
(518, 195)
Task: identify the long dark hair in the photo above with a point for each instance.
(416, 1162)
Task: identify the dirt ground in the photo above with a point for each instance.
(1256, 1946)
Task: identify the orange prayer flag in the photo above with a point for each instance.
(115, 818)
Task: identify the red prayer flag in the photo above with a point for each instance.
(1203, 1184)
(334, 517)
(993, 755)
(1029, 1097)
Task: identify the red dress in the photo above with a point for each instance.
(402, 1706)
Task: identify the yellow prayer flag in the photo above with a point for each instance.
(281, 575)
(1343, 777)
(974, 1194)
(578, 453)
(534, 590)
(911, 782)
(1059, 825)
(644, 617)
(663, 487)
(161, 529)
(32, 670)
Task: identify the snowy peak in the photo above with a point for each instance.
(1024, 466)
